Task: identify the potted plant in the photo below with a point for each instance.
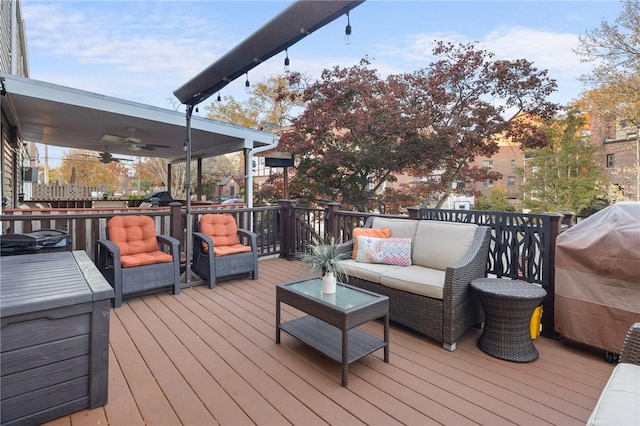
(324, 257)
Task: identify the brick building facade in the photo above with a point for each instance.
(620, 158)
(506, 161)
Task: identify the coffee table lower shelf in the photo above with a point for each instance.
(328, 339)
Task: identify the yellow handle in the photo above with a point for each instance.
(534, 325)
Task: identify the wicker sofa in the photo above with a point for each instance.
(619, 402)
(432, 295)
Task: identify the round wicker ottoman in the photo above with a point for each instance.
(508, 306)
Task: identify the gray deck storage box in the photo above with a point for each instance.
(54, 361)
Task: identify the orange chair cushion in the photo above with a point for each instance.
(136, 238)
(224, 250)
(222, 228)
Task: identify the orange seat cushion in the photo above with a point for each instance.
(222, 228)
(136, 238)
(367, 232)
(224, 250)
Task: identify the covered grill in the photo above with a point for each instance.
(597, 281)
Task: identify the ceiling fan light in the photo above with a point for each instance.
(133, 147)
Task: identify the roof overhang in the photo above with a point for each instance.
(70, 118)
(293, 24)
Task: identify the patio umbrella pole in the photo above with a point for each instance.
(187, 237)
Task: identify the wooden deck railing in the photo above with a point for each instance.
(522, 245)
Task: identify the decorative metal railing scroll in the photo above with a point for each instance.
(520, 243)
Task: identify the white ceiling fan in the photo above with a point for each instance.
(106, 157)
(133, 143)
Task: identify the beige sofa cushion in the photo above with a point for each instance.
(619, 403)
(366, 271)
(415, 279)
(400, 228)
(441, 244)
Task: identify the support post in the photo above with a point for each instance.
(331, 221)
(548, 314)
(189, 219)
(288, 227)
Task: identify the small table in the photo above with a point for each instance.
(508, 306)
(330, 325)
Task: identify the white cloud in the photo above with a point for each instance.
(546, 49)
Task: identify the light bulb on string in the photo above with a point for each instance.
(347, 31)
(286, 61)
(247, 85)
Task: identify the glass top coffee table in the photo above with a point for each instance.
(330, 326)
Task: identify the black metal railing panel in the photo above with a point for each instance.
(520, 243)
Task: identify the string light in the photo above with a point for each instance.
(247, 85)
(219, 97)
(286, 61)
(347, 31)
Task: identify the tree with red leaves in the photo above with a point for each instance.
(359, 131)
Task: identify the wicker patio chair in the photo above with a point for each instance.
(135, 260)
(221, 250)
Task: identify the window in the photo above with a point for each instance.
(611, 161)
(513, 163)
(511, 181)
(488, 164)
(487, 184)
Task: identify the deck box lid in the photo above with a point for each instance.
(36, 282)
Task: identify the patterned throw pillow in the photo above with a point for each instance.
(392, 251)
(397, 251)
(370, 249)
(369, 232)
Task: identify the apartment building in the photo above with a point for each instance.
(620, 158)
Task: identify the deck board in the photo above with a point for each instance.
(208, 356)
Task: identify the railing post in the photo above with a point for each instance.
(414, 212)
(567, 220)
(175, 221)
(288, 227)
(548, 316)
(331, 221)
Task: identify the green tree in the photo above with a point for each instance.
(614, 48)
(495, 200)
(565, 175)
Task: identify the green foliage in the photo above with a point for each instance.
(614, 48)
(565, 176)
(324, 256)
(495, 200)
(594, 206)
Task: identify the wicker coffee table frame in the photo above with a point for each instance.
(332, 330)
(508, 306)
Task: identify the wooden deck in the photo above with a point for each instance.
(208, 357)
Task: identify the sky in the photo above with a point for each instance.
(143, 50)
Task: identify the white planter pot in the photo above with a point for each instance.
(329, 283)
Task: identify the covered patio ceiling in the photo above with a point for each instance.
(70, 118)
